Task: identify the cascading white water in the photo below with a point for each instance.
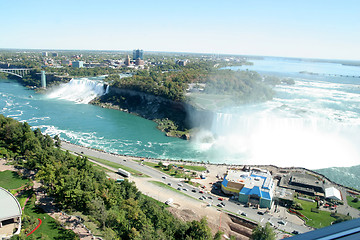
(270, 138)
(79, 90)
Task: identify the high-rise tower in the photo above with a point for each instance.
(138, 54)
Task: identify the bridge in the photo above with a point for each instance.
(19, 72)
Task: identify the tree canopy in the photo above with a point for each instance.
(119, 209)
(263, 233)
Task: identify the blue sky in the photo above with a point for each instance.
(293, 28)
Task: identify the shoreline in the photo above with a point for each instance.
(269, 167)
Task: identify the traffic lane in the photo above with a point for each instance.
(111, 157)
(229, 206)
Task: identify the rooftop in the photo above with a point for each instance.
(10, 207)
(255, 181)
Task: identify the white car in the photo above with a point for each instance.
(169, 201)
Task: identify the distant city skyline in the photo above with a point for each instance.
(301, 29)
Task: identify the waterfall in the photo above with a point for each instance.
(79, 90)
(268, 138)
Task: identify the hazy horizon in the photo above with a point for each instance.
(174, 52)
(298, 29)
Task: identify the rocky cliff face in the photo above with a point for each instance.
(172, 117)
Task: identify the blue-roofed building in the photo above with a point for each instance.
(254, 186)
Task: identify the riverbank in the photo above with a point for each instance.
(170, 116)
(221, 168)
(186, 192)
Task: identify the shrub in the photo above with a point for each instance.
(297, 206)
(315, 210)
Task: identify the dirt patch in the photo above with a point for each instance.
(220, 222)
(4, 167)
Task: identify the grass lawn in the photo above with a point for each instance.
(101, 168)
(117, 165)
(11, 180)
(195, 168)
(353, 204)
(161, 184)
(171, 172)
(49, 226)
(316, 220)
(161, 204)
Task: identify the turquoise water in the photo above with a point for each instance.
(89, 125)
(314, 123)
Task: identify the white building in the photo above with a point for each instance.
(10, 214)
(332, 193)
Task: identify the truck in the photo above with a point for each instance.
(124, 173)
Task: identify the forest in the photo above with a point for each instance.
(246, 86)
(120, 210)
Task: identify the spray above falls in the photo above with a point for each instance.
(80, 90)
(313, 124)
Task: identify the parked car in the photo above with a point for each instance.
(184, 189)
(220, 199)
(260, 213)
(282, 222)
(244, 214)
(295, 232)
(169, 184)
(201, 192)
(179, 188)
(219, 205)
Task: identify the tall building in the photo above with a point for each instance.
(78, 64)
(45, 54)
(139, 62)
(127, 61)
(138, 54)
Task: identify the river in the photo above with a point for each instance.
(314, 123)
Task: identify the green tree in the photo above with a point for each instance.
(57, 141)
(198, 230)
(263, 233)
(218, 235)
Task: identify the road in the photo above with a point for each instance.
(278, 221)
